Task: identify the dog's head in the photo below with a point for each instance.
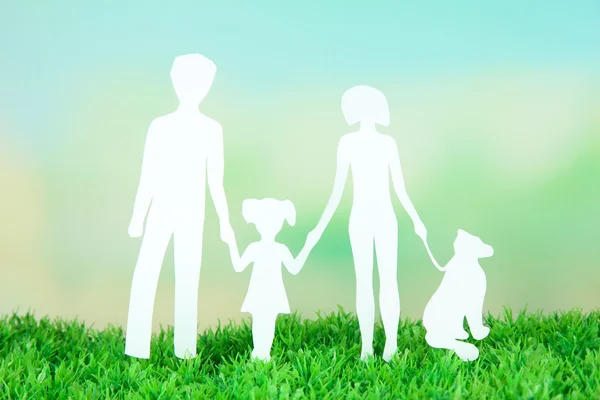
(467, 244)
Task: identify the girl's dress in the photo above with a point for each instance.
(266, 292)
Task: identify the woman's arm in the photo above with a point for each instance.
(341, 174)
(400, 188)
(292, 265)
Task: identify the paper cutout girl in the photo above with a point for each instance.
(373, 158)
(266, 297)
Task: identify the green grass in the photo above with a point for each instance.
(530, 356)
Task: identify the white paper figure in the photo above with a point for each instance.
(373, 158)
(183, 149)
(266, 296)
(460, 295)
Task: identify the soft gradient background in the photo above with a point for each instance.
(496, 110)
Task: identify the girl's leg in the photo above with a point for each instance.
(263, 333)
(361, 241)
(386, 248)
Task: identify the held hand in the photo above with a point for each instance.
(227, 234)
(235, 256)
(300, 260)
(312, 239)
(420, 230)
(136, 228)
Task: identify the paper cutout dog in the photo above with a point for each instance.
(461, 294)
(266, 297)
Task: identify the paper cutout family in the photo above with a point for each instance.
(184, 150)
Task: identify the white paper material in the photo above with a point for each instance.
(266, 297)
(183, 152)
(373, 158)
(461, 294)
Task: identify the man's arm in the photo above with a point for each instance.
(146, 184)
(240, 263)
(215, 167)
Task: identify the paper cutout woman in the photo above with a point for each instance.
(373, 157)
(266, 296)
(182, 150)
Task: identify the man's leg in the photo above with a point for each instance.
(188, 257)
(386, 249)
(362, 249)
(143, 288)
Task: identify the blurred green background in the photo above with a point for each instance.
(495, 108)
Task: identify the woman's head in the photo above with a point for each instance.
(268, 215)
(365, 104)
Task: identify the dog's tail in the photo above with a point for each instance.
(432, 257)
(465, 351)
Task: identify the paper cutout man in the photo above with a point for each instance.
(373, 158)
(460, 295)
(266, 296)
(183, 149)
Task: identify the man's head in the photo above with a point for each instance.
(471, 246)
(192, 76)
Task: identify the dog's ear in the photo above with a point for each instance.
(460, 241)
(289, 212)
(250, 210)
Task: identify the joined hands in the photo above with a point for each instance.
(420, 230)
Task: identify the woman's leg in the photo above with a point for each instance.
(361, 241)
(386, 248)
(263, 333)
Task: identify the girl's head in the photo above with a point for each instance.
(365, 104)
(268, 215)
